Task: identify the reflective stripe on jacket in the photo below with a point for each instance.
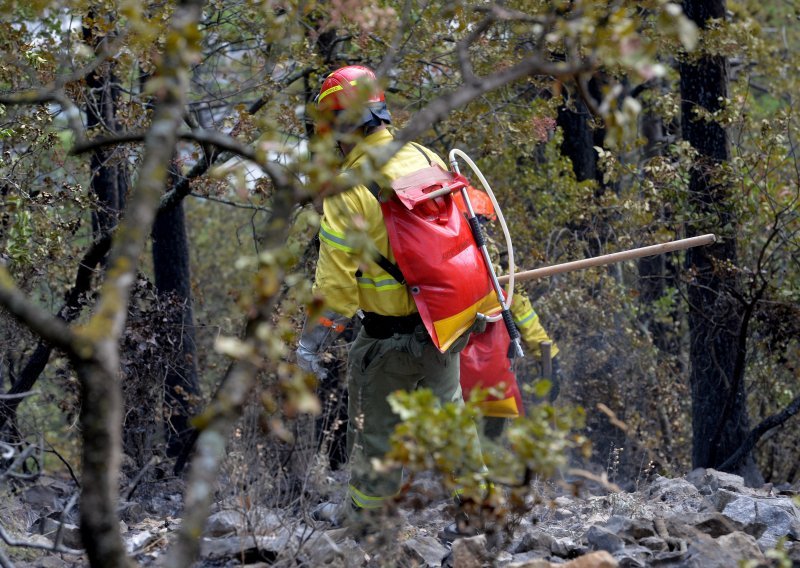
(341, 254)
(529, 325)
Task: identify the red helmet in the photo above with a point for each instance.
(345, 87)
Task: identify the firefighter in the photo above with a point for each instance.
(393, 351)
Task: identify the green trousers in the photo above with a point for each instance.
(377, 368)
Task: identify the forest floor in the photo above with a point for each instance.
(706, 519)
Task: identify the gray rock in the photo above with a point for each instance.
(539, 542)
(721, 498)
(49, 498)
(137, 541)
(332, 550)
(131, 512)
(654, 543)
(600, 538)
(633, 556)
(679, 494)
(70, 534)
(225, 523)
(710, 480)
(245, 549)
(724, 552)
(711, 523)
(633, 528)
(745, 544)
(767, 519)
(423, 550)
(531, 563)
(469, 552)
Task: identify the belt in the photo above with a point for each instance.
(384, 327)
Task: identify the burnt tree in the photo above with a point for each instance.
(173, 280)
(720, 422)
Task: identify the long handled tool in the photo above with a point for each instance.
(515, 348)
(652, 250)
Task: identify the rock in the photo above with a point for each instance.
(225, 523)
(767, 519)
(533, 563)
(245, 549)
(721, 498)
(634, 528)
(423, 550)
(48, 498)
(70, 534)
(633, 556)
(711, 523)
(709, 481)
(538, 542)
(724, 552)
(563, 501)
(131, 512)
(332, 551)
(601, 559)
(744, 543)
(679, 494)
(469, 552)
(654, 543)
(46, 562)
(600, 538)
(136, 541)
(563, 514)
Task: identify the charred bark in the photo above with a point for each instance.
(173, 278)
(719, 413)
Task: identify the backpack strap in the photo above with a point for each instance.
(423, 152)
(387, 265)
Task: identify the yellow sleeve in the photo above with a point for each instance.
(335, 279)
(530, 328)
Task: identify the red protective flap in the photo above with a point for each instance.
(485, 364)
(443, 268)
(422, 185)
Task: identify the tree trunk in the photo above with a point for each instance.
(109, 179)
(578, 144)
(719, 412)
(173, 278)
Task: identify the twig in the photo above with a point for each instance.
(18, 395)
(232, 203)
(20, 459)
(28, 544)
(4, 561)
(66, 464)
(64, 513)
(135, 483)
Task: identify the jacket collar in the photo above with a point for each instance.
(374, 140)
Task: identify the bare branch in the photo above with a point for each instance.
(46, 95)
(442, 106)
(40, 321)
(39, 546)
(18, 395)
(756, 433)
(462, 50)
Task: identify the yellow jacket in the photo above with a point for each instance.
(341, 257)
